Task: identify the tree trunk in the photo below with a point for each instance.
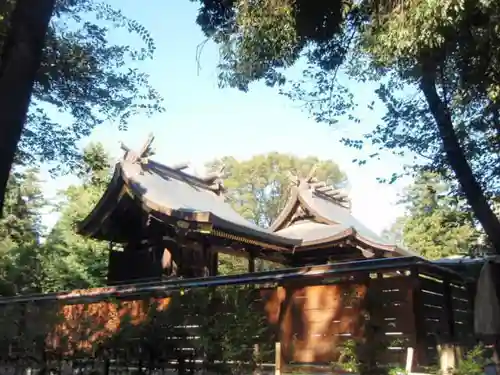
(456, 157)
(20, 61)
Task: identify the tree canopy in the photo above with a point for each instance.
(88, 78)
(258, 189)
(435, 64)
(34, 260)
(72, 261)
(20, 235)
(435, 225)
(84, 80)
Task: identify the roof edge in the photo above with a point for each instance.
(270, 237)
(352, 233)
(121, 185)
(319, 218)
(286, 212)
(114, 191)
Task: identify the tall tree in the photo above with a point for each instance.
(436, 64)
(19, 63)
(258, 189)
(435, 224)
(84, 76)
(20, 233)
(71, 261)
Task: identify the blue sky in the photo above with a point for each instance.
(203, 122)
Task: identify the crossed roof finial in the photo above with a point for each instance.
(295, 178)
(320, 187)
(310, 176)
(215, 179)
(142, 155)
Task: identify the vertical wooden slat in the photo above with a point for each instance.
(371, 331)
(251, 262)
(420, 331)
(448, 310)
(214, 266)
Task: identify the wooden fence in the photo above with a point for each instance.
(319, 315)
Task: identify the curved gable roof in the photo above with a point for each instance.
(176, 194)
(317, 218)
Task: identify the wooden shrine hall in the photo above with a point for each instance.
(163, 222)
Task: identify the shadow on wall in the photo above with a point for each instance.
(203, 328)
(314, 321)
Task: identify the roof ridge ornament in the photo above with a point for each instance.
(338, 196)
(321, 188)
(296, 180)
(310, 176)
(141, 156)
(215, 180)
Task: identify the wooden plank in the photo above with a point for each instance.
(393, 310)
(461, 304)
(431, 285)
(326, 319)
(433, 312)
(278, 359)
(431, 356)
(433, 299)
(391, 295)
(404, 324)
(437, 327)
(462, 315)
(463, 327)
(459, 291)
(326, 329)
(396, 340)
(397, 282)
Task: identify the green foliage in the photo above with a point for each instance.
(70, 260)
(234, 328)
(64, 260)
(394, 234)
(231, 265)
(435, 225)
(259, 39)
(473, 363)
(348, 359)
(435, 64)
(258, 188)
(20, 234)
(86, 77)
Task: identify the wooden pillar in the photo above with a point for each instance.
(251, 262)
(214, 263)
